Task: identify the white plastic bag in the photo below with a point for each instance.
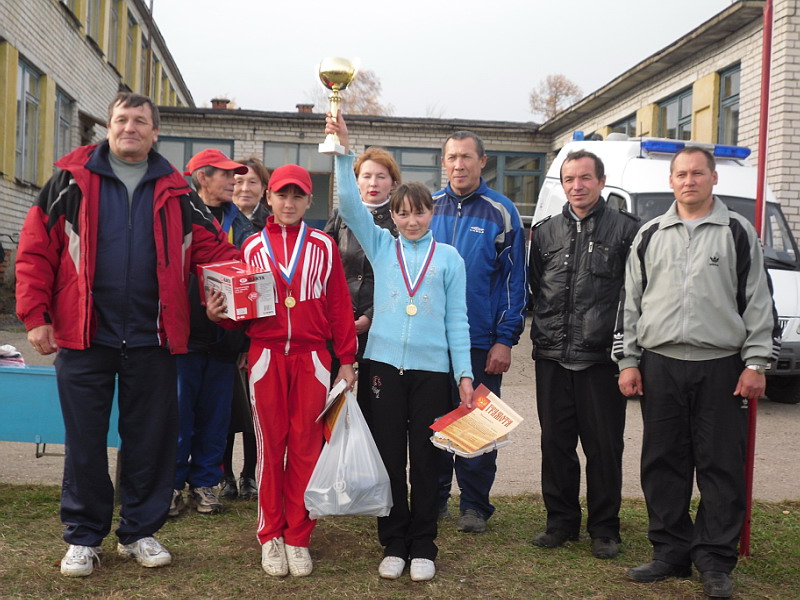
(349, 478)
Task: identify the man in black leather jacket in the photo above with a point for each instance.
(577, 268)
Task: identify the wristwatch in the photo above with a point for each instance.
(760, 369)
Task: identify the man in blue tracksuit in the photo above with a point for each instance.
(486, 229)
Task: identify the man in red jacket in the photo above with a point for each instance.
(103, 261)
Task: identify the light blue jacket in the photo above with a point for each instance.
(439, 332)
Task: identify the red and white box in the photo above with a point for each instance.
(249, 291)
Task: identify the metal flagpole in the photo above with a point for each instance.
(766, 59)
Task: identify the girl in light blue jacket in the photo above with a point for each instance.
(419, 329)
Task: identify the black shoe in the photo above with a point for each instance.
(247, 488)
(444, 512)
(471, 521)
(227, 489)
(603, 547)
(717, 584)
(657, 570)
(553, 539)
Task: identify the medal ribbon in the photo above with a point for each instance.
(413, 286)
(287, 272)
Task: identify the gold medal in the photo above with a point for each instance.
(289, 302)
(412, 287)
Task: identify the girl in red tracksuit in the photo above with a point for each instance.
(290, 366)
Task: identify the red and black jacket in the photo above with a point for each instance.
(58, 252)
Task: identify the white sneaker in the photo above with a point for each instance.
(391, 567)
(80, 561)
(422, 569)
(273, 558)
(299, 559)
(147, 552)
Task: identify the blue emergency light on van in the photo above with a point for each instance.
(731, 151)
(662, 146)
(672, 147)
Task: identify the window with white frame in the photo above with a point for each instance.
(113, 32)
(178, 151)
(144, 84)
(63, 137)
(423, 165)
(675, 116)
(626, 126)
(94, 15)
(27, 138)
(729, 81)
(516, 175)
(129, 37)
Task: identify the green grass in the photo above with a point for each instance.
(218, 557)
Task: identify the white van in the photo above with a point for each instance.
(637, 179)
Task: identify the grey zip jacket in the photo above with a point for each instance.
(696, 299)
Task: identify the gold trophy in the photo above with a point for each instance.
(335, 74)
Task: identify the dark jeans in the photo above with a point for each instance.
(205, 392)
(585, 405)
(148, 428)
(475, 476)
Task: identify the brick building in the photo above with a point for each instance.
(706, 87)
(517, 153)
(61, 61)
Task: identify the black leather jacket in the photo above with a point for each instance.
(576, 272)
(357, 269)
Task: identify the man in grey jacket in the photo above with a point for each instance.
(696, 338)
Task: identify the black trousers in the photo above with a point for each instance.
(693, 424)
(148, 427)
(585, 405)
(403, 408)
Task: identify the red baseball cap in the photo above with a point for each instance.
(211, 157)
(290, 174)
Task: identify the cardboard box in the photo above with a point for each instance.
(249, 292)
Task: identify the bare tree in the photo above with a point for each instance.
(362, 97)
(553, 95)
(434, 110)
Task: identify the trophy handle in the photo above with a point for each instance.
(332, 145)
(335, 104)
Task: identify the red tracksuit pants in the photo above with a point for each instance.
(288, 393)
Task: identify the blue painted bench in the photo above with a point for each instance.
(30, 410)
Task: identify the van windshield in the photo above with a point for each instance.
(780, 250)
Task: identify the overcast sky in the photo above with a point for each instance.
(459, 59)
